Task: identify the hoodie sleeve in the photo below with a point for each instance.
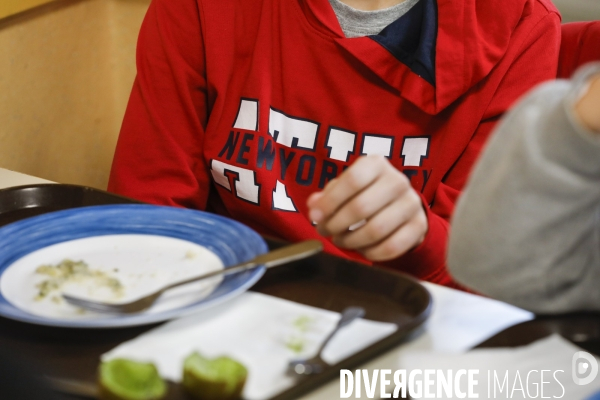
(541, 48)
(527, 229)
(158, 155)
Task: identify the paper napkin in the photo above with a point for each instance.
(514, 373)
(262, 332)
(461, 320)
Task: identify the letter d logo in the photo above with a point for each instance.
(582, 364)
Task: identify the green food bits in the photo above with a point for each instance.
(303, 323)
(122, 379)
(218, 379)
(69, 271)
(295, 344)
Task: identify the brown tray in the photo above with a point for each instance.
(27, 201)
(322, 281)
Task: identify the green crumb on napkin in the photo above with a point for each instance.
(221, 378)
(303, 323)
(122, 379)
(295, 344)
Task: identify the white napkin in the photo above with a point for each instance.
(554, 355)
(262, 332)
(461, 320)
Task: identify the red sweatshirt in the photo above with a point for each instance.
(249, 106)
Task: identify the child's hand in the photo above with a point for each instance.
(372, 190)
(588, 108)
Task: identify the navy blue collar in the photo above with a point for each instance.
(412, 39)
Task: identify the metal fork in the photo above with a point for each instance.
(271, 259)
(316, 365)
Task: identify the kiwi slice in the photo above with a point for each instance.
(122, 379)
(218, 379)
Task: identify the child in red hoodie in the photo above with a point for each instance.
(249, 107)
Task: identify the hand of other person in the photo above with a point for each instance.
(376, 194)
(588, 107)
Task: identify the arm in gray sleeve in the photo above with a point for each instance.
(527, 228)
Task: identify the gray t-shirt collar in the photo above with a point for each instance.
(356, 23)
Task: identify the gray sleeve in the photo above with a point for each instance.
(527, 228)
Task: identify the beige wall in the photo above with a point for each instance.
(10, 7)
(65, 74)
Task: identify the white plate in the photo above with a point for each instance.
(141, 263)
(143, 247)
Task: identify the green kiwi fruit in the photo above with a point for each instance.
(218, 379)
(122, 379)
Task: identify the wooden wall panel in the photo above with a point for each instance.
(65, 76)
(11, 7)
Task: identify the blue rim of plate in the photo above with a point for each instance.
(231, 241)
